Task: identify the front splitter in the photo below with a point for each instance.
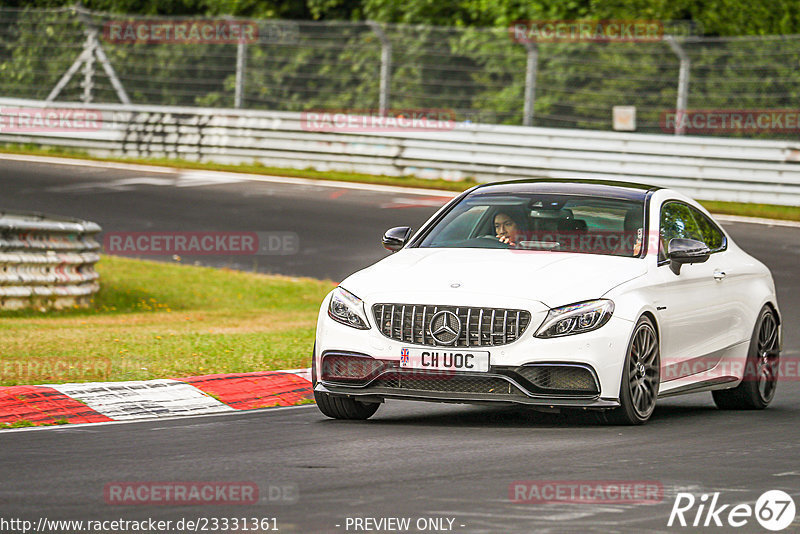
(378, 394)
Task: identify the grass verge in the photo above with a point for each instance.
(23, 423)
(767, 211)
(159, 320)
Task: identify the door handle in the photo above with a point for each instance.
(719, 275)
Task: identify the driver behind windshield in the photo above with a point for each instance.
(509, 227)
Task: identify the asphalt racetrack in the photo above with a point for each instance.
(449, 465)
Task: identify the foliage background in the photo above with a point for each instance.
(321, 54)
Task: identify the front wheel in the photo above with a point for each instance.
(760, 378)
(640, 377)
(337, 407)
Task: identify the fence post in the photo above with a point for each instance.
(88, 69)
(241, 58)
(386, 66)
(683, 84)
(531, 69)
(91, 49)
(64, 80)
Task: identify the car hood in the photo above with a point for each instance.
(552, 278)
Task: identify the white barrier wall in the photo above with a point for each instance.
(703, 167)
(47, 262)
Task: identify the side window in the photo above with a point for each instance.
(712, 235)
(677, 222)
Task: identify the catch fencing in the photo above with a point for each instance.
(482, 75)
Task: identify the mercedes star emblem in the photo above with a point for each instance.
(445, 327)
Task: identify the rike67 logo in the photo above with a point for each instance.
(774, 510)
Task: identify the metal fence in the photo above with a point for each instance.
(480, 74)
(765, 171)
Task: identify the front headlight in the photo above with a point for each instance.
(348, 309)
(576, 318)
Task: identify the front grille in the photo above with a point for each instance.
(559, 378)
(446, 383)
(480, 327)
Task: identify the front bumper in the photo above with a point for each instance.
(538, 384)
(602, 351)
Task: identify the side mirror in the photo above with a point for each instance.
(395, 238)
(682, 251)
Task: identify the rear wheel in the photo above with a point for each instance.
(338, 407)
(640, 377)
(760, 379)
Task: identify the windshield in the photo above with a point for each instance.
(542, 222)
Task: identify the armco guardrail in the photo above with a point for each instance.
(705, 167)
(47, 262)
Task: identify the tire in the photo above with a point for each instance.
(337, 407)
(760, 378)
(641, 377)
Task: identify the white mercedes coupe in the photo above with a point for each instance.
(553, 294)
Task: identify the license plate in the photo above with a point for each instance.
(444, 360)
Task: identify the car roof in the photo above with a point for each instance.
(566, 186)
